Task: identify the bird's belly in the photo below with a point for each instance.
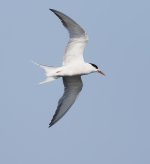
(75, 70)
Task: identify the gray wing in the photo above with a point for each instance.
(72, 87)
(78, 39)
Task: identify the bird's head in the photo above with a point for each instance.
(96, 69)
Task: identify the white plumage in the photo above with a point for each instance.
(73, 66)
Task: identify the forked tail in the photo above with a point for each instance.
(49, 72)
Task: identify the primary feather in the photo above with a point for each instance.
(77, 42)
(72, 87)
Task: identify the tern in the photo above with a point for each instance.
(73, 66)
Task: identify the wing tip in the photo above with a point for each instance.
(53, 121)
(51, 124)
(53, 10)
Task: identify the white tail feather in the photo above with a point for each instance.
(49, 72)
(48, 79)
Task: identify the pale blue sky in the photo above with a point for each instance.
(110, 121)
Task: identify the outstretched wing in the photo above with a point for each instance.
(72, 87)
(78, 39)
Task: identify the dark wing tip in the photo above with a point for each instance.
(50, 125)
(58, 14)
(53, 10)
(75, 30)
(53, 121)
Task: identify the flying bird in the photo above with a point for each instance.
(73, 66)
